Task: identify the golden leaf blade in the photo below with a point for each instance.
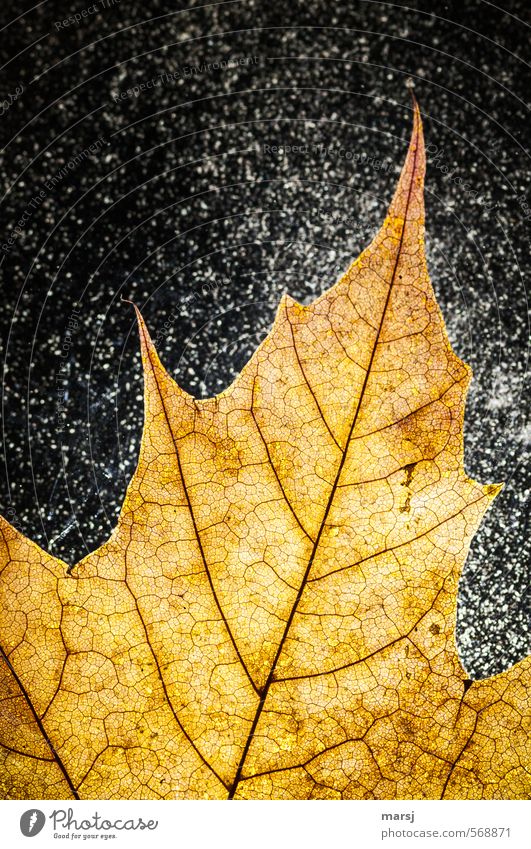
(273, 616)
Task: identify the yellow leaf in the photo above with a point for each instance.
(273, 616)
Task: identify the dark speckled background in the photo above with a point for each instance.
(182, 206)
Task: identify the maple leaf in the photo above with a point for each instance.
(274, 614)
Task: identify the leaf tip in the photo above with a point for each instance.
(146, 344)
(410, 85)
(491, 490)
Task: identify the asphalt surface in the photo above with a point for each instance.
(137, 161)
